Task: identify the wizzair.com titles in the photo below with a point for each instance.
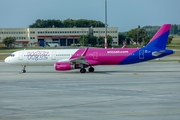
(118, 51)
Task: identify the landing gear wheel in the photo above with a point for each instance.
(24, 69)
(91, 69)
(82, 70)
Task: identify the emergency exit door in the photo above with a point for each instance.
(53, 55)
(20, 55)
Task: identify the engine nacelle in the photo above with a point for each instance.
(62, 66)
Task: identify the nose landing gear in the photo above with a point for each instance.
(24, 69)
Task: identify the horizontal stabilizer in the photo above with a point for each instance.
(158, 53)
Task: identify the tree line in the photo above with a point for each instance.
(68, 23)
(86, 40)
(142, 36)
(151, 30)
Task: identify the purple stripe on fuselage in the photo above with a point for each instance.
(109, 56)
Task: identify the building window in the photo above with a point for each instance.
(114, 36)
(32, 32)
(32, 37)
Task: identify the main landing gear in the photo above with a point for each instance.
(83, 70)
(24, 69)
(91, 69)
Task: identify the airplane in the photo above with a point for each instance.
(69, 59)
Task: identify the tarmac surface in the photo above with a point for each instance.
(144, 91)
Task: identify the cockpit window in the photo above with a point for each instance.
(12, 55)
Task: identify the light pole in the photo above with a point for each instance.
(45, 39)
(144, 36)
(137, 34)
(105, 44)
(98, 37)
(83, 36)
(137, 37)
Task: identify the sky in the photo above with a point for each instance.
(124, 14)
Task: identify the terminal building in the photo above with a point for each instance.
(61, 36)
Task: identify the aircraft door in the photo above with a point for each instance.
(141, 54)
(95, 55)
(20, 56)
(53, 55)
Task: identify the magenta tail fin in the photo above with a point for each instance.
(160, 39)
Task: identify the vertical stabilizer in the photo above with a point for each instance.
(160, 39)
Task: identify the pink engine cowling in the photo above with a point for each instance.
(62, 66)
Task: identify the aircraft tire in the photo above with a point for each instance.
(91, 69)
(82, 70)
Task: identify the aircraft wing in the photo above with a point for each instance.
(81, 59)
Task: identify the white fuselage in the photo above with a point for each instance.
(39, 57)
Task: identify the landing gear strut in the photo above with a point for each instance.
(24, 69)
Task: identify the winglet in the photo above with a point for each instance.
(160, 39)
(123, 46)
(85, 51)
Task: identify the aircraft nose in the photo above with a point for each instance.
(7, 60)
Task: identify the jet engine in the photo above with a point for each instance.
(62, 66)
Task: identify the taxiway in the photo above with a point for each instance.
(144, 91)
